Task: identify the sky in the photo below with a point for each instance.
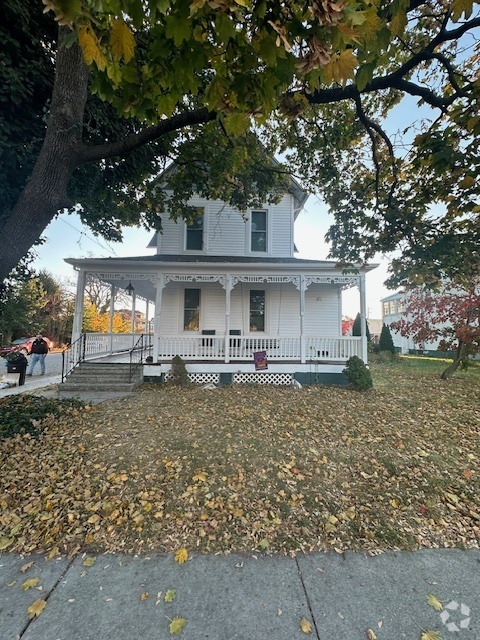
(66, 237)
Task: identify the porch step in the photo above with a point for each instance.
(102, 377)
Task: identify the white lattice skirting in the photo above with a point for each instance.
(199, 378)
(263, 378)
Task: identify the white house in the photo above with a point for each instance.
(228, 286)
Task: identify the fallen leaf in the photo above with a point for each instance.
(371, 635)
(144, 596)
(305, 626)
(35, 609)
(6, 542)
(170, 595)
(29, 584)
(89, 561)
(27, 566)
(181, 556)
(433, 602)
(12, 584)
(431, 635)
(54, 552)
(177, 624)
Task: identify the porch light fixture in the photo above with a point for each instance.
(129, 289)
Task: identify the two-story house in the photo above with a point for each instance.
(227, 287)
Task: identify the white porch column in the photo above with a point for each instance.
(228, 291)
(363, 317)
(302, 320)
(110, 319)
(147, 311)
(78, 314)
(159, 284)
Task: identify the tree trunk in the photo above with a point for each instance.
(450, 370)
(45, 193)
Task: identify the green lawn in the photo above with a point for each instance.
(254, 468)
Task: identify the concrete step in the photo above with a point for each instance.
(108, 386)
(102, 377)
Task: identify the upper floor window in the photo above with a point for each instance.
(191, 310)
(194, 240)
(257, 310)
(259, 231)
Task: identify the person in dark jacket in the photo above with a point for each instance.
(39, 351)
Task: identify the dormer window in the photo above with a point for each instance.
(194, 240)
(258, 240)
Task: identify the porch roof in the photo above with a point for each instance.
(210, 260)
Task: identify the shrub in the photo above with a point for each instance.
(386, 341)
(358, 374)
(383, 357)
(26, 414)
(179, 373)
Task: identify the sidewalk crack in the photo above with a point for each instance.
(60, 578)
(309, 604)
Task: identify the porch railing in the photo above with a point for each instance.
(139, 350)
(237, 348)
(73, 355)
(101, 344)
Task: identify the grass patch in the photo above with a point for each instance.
(253, 468)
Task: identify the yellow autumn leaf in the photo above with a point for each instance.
(398, 23)
(371, 634)
(181, 556)
(5, 542)
(461, 6)
(94, 519)
(89, 561)
(341, 67)
(170, 595)
(35, 609)
(91, 47)
(177, 624)
(433, 602)
(200, 477)
(305, 626)
(122, 41)
(29, 584)
(27, 566)
(431, 635)
(144, 596)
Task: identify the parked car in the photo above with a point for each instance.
(22, 345)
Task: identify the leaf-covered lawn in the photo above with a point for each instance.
(253, 468)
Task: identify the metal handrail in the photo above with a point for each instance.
(73, 355)
(137, 352)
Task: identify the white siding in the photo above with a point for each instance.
(282, 309)
(322, 311)
(227, 233)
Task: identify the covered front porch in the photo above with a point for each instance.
(237, 348)
(216, 315)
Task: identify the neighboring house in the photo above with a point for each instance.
(228, 286)
(392, 311)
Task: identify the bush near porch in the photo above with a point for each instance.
(253, 468)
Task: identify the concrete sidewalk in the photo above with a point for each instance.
(31, 385)
(47, 386)
(351, 596)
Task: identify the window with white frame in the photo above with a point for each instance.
(194, 233)
(258, 238)
(257, 310)
(191, 310)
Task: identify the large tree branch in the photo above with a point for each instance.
(396, 79)
(123, 147)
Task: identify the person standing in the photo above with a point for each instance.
(39, 351)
